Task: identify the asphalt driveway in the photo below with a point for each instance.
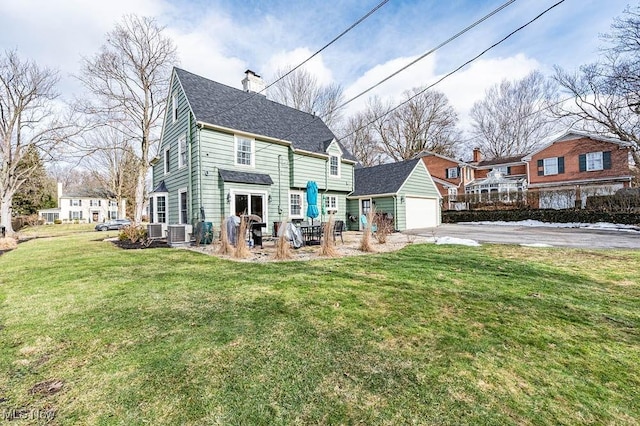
(556, 237)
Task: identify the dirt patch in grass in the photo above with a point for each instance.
(128, 245)
(48, 387)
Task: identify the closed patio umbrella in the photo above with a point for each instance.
(312, 200)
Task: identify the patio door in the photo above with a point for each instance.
(249, 203)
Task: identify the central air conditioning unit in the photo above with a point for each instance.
(178, 234)
(154, 231)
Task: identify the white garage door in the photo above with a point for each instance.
(422, 213)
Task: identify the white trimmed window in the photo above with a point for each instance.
(334, 166)
(452, 173)
(244, 149)
(594, 161)
(502, 169)
(295, 205)
(182, 151)
(551, 166)
(167, 160)
(174, 108)
(161, 209)
(453, 194)
(113, 214)
(184, 210)
(331, 203)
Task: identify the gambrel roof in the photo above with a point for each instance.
(224, 106)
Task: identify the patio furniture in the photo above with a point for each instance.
(338, 228)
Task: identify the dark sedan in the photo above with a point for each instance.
(113, 224)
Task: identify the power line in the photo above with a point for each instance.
(352, 26)
(456, 70)
(444, 43)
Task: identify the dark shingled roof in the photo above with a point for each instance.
(245, 177)
(161, 187)
(500, 160)
(211, 102)
(382, 179)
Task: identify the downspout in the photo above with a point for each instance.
(199, 127)
(190, 200)
(279, 188)
(326, 185)
(395, 213)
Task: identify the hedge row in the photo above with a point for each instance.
(555, 216)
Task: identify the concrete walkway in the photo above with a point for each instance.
(557, 237)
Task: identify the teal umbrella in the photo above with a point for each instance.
(312, 200)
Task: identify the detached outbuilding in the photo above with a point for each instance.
(403, 191)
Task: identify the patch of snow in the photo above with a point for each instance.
(537, 223)
(457, 241)
(536, 245)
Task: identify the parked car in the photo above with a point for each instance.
(113, 224)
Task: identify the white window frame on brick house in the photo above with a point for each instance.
(452, 192)
(592, 161)
(550, 166)
(299, 197)
(240, 157)
(452, 173)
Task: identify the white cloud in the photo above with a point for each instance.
(462, 88)
(415, 76)
(287, 59)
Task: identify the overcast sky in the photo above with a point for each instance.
(220, 39)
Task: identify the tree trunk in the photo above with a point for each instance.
(5, 215)
(140, 184)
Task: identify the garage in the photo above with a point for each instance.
(403, 191)
(422, 212)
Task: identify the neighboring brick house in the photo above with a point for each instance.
(577, 165)
(502, 175)
(449, 175)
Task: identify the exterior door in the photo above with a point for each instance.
(95, 216)
(365, 208)
(249, 204)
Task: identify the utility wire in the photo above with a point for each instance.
(455, 70)
(444, 43)
(358, 22)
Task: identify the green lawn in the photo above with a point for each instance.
(428, 335)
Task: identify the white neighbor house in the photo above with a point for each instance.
(82, 207)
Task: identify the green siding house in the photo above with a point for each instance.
(403, 190)
(226, 151)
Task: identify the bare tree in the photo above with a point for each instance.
(28, 120)
(513, 117)
(114, 165)
(130, 78)
(606, 94)
(301, 90)
(425, 122)
(360, 140)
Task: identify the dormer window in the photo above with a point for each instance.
(244, 151)
(334, 166)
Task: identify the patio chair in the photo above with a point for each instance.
(365, 225)
(338, 228)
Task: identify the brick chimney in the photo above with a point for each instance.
(253, 83)
(477, 155)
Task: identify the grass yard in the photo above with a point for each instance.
(427, 335)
